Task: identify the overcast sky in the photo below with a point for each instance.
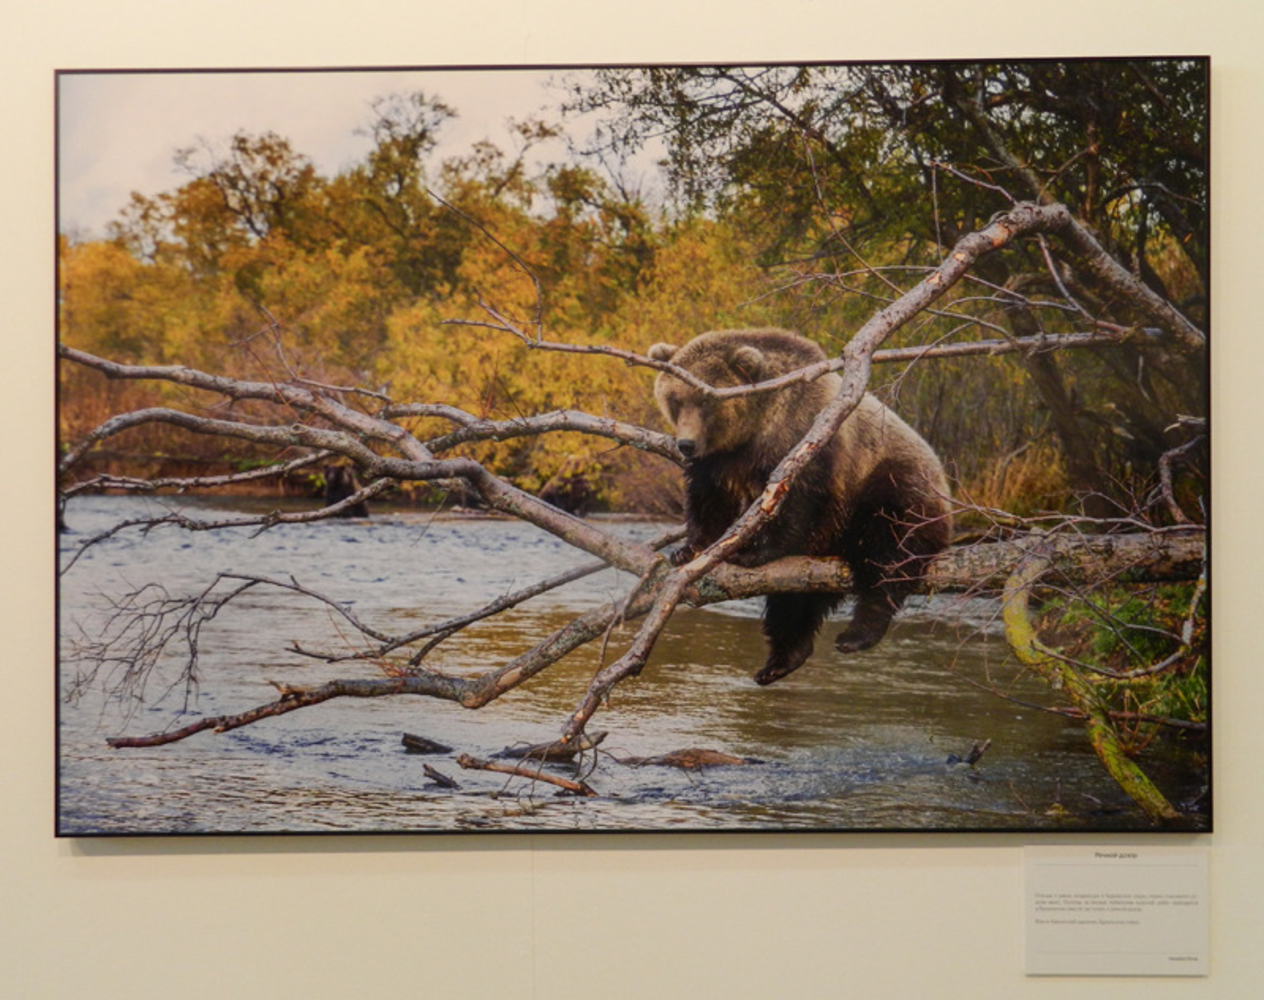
(117, 132)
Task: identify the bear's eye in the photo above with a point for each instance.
(707, 407)
(673, 409)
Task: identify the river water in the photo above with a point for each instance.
(858, 743)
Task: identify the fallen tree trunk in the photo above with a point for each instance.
(1135, 557)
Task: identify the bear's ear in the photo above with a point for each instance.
(661, 352)
(749, 363)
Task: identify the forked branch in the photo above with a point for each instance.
(315, 421)
(855, 363)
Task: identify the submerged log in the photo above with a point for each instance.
(556, 752)
(693, 757)
(438, 777)
(420, 744)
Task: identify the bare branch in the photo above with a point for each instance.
(182, 484)
(1070, 558)
(262, 521)
(449, 627)
(1187, 631)
(518, 261)
(1117, 278)
(431, 684)
(1166, 461)
(506, 325)
(296, 434)
(1015, 345)
(948, 168)
(536, 773)
(289, 395)
(1078, 238)
(477, 429)
(420, 466)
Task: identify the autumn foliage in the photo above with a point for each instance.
(803, 197)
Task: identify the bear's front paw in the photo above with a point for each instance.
(772, 673)
(682, 555)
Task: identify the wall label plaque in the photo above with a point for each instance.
(1116, 911)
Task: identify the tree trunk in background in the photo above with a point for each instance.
(1086, 477)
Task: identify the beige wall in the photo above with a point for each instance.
(914, 916)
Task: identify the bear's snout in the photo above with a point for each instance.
(692, 439)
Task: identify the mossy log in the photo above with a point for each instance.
(1021, 634)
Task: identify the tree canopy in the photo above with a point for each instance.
(800, 196)
(850, 178)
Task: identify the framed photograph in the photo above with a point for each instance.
(789, 447)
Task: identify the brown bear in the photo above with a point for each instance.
(875, 496)
(341, 482)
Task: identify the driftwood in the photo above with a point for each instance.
(979, 748)
(522, 771)
(420, 744)
(438, 777)
(556, 752)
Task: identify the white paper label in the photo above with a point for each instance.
(1116, 911)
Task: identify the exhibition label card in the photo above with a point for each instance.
(1116, 911)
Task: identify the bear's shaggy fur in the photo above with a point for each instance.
(876, 496)
(341, 482)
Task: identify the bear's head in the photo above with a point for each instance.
(703, 424)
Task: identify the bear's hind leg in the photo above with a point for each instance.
(880, 592)
(869, 622)
(890, 546)
(791, 622)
